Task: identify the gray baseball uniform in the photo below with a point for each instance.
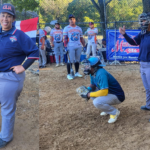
(74, 45)
(58, 44)
(42, 57)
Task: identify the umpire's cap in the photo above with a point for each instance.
(8, 8)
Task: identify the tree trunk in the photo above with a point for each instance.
(102, 18)
(146, 6)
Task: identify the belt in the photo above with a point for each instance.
(143, 61)
(58, 42)
(7, 71)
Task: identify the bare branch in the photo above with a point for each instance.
(94, 3)
(108, 2)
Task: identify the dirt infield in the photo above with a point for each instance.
(67, 122)
(26, 134)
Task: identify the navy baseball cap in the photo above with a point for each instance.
(90, 23)
(57, 23)
(71, 16)
(8, 8)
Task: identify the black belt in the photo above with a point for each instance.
(7, 71)
(58, 42)
(143, 61)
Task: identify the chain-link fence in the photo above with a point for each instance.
(107, 14)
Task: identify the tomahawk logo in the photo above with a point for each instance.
(7, 7)
(13, 39)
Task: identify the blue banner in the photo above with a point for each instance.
(118, 48)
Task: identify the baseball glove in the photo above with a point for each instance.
(82, 90)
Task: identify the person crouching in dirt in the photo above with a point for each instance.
(104, 90)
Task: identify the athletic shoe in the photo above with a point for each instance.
(3, 143)
(113, 118)
(78, 75)
(69, 77)
(144, 108)
(42, 66)
(103, 114)
(62, 64)
(57, 65)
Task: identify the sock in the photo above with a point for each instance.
(68, 67)
(76, 66)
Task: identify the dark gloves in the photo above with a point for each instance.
(85, 96)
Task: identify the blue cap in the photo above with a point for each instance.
(8, 8)
(95, 61)
(71, 16)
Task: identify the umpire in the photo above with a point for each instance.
(15, 46)
(143, 40)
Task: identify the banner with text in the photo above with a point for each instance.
(118, 48)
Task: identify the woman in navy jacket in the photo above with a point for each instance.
(15, 46)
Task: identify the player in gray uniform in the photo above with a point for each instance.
(57, 42)
(73, 37)
(42, 50)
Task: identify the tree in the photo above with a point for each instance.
(25, 5)
(146, 6)
(100, 6)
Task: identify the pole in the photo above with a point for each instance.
(105, 15)
(115, 61)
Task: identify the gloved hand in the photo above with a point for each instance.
(84, 49)
(66, 50)
(85, 96)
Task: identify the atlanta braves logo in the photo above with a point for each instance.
(74, 36)
(13, 39)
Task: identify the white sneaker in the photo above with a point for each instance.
(57, 65)
(69, 77)
(103, 114)
(78, 75)
(62, 64)
(113, 118)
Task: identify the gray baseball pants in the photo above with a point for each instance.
(104, 103)
(58, 50)
(11, 85)
(74, 53)
(42, 57)
(145, 75)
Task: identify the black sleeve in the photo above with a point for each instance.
(28, 63)
(130, 40)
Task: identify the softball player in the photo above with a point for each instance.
(57, 42)
(104, 89)
(92, 40)
(143, 40)
(42, 49)
(15, 46)
(73, 37)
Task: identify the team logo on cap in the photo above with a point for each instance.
(7, 7)
(13, 39)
